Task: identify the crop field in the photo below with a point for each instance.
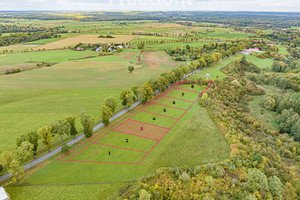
(91, 39)
(132, 147)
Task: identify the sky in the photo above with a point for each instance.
(142, 5)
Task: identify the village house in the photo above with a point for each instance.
(3, 195)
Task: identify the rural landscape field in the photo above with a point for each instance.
(149, 105)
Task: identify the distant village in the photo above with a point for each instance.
(99, 47)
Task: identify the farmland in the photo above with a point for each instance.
(72, 41)
(165, 105)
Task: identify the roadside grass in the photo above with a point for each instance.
(261, 63)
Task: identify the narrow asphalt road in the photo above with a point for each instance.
(77, 139)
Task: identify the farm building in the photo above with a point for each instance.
(251, 50)
(3, 195)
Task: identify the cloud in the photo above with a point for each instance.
(227, 5)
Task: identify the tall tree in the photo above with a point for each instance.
(25, 151)
(106, 114)
(72, 124)
(127, 98)
(7, 156)
(111, 102)
(16, 170)
(87, 124)
(147, 94)
(136, 91)
(31, 137)
(47, 136)
(61, 127)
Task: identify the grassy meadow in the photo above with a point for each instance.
(261, 63)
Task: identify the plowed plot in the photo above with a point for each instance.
(107, 154)
(183, 95)
(165, 111)
(91, 39)
(141, 130)
(127, 141)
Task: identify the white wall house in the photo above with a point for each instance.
(3, 195)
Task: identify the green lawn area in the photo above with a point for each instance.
(194, 140)
(261, 63)
(184, 95)
(154, 119)
(176, 104)
(282, 50)
(127, 141)
(160, 109)
(267, 118)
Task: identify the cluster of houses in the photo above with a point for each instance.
(99, 47)
(251, 50)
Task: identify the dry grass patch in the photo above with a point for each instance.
(154, 59)
(91, 39)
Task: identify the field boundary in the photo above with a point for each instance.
(132, 114)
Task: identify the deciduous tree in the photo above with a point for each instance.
(106, 114)
(87, 124)
(46, 135)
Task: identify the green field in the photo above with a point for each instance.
(194, 140)
(267, 117)
(261, 63)
(282, 50)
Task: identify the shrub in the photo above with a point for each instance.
(1, 168)
(65, 149)
(185, 177)
(130, 68)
